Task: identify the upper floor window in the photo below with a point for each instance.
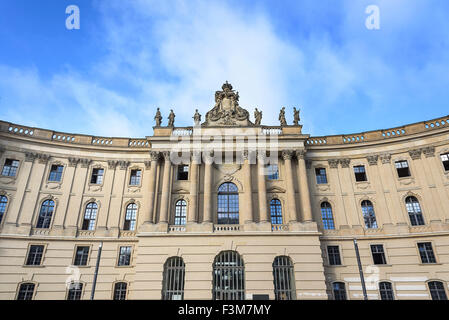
(368, 214)
(3, 203)
(81, 256)
(183, 172)
(326, 216)
(135, 177)
(75, 291)
(173, 279)
(55, 173)
(89, 216)
(120, 289)
(35, 254)
(130, 217)
(283, 278)
(402, 168)
(339, 291)
(377, 250)
(414, 211)
(333, 253)
(26, 291)
(97, 176)
(360, 173)
(445, 160)
(276, 211)
(386, 291)
(228, 204)
(45, 214)
(437, 291)
(180, 212)
(426, 252)
(272, 171)
(321, 177)
(10, 167)
(124, 258)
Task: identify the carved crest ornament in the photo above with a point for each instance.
(227, 110)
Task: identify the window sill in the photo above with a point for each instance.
(430, 264)
(33, 266)
(74, 265)
(382, 265)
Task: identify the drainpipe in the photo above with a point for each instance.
(94, 284)
(362, 279)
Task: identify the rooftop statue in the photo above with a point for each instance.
(197, 118)
(158, 118)
(296, 118)
(171, 118)
(257, 117)
(227, 110)
(282, 117)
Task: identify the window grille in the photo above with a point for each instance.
(283, 278)
(173, 279)
(228, 277)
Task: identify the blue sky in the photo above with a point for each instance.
(129, 57)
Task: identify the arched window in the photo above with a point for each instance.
(45, 214)
(276, 211)
(3, 203)
(120, 289)
(437, 291)
(414, 211)
(90, 214)
(26, 291)
(228, 277)
(180, 212)
(339, 291)
(327, 216)
(75, 291)
(173, 279)
(386, 291)
(228, 204)
(368, 214)
(283, 278)
(130, 217)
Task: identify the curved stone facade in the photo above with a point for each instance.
(389, 189)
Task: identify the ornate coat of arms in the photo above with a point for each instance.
(227, 110)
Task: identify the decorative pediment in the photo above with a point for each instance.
(180, 191)
(227, 111)
(276, 189)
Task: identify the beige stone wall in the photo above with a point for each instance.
(198, 242)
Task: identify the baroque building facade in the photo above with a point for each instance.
(225, 209)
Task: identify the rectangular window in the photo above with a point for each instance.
(183, 172)
(321, 177)
(97, 176)
(272, 171)
(10, 168)
(135, 177)
(75, 290)
(402, 169)
(35, 255)
(426, 252)
(81, 256)
(124, 258)
(378, 253)
(333, 254)
(26, 291)
(55, 173)
(445, 160)
(360, 173)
